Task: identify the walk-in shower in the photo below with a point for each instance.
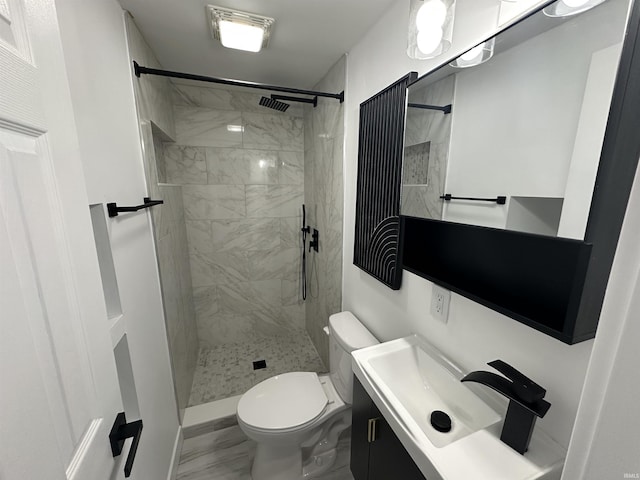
(234, 176)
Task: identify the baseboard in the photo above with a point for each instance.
(177, 450)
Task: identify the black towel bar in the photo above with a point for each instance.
(499, 200)
(114, 209)
(446, 109)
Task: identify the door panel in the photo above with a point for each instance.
(361, 413)
(59, 385)
(25, 414)
(376, 451)
(388, 458)
(35, 237)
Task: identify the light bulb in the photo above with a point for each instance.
(473, 53)
(574, 3)
(432, 14)
(429, 40)
(241, 36)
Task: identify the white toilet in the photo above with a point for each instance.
(296, 418)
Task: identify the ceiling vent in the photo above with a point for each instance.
(239, 30)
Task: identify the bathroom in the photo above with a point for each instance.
(210, 282)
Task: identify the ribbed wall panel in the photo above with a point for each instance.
(381, 140)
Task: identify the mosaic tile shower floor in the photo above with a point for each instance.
(226, 370)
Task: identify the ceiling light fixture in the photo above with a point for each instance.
(430, 28)
(476, 55)
(566, 8)
(239, 30)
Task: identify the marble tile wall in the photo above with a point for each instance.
(427, 151)
(155, 115)
(153, 94)
(323, 192)
(241, 168)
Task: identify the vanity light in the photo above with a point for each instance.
(430, 28)
(239, 30)
(566, 8)
(475, 56)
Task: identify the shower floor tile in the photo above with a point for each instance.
(227, 370)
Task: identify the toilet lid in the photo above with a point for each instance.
(284, 401)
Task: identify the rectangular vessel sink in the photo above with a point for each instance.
(415, 379)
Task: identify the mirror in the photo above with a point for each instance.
(514, 142)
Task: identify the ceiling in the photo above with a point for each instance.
(308, 37)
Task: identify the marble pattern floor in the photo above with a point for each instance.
(226, 370)
(227, 455)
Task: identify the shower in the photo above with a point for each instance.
(245, 296)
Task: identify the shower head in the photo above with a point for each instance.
(275, 104)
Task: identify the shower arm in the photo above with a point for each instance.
(140, 70)
(313, 101)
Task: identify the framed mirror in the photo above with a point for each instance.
(509, 134)
(519, 159)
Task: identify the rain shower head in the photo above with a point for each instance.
(275, 104)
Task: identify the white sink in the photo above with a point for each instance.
(415, 379)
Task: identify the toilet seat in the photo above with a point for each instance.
(283, 403)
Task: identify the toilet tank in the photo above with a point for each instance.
(346, 335)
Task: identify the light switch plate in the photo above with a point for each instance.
(440, 299)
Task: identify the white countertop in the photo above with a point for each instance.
(478, 456)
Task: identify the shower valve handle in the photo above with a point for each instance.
(314, 243)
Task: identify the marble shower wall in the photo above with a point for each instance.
(155, 112)
(323, 192)
(241, 168)
(426, 151)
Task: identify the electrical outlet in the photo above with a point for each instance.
(440, 298)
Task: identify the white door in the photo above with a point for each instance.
(59, 392)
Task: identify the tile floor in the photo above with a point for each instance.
(227, 370)
(227, 455)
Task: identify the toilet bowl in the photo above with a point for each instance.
(296, 418)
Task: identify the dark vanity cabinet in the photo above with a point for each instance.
(376, 452)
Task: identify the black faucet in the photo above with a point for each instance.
(525, 402)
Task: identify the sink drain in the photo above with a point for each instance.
(441, 421)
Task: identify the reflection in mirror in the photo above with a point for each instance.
(528, 124)
(426, 148)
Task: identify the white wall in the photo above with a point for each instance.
(95, 51)
(474, 334)
(606, 439)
